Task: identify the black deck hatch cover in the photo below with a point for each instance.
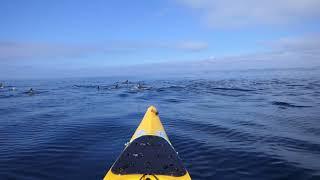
(149, 155)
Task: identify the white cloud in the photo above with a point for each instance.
(32, 50)
(309, 44)
(240, 13)
(16, 50)
(286, 52)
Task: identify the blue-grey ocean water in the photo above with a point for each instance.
(256, 124)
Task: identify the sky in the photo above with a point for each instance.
(86, 38)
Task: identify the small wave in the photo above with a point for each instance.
(234, 89)
(172, 100)
(160, 89)
(286, 104)
(228, 94)
(170, 88)
(317, 84)
(86, 86)
(295, 85)
(123, 95)
(294, 143)
(7, 96)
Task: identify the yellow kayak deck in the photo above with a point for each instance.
(149, 154)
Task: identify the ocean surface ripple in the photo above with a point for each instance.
(252, 125)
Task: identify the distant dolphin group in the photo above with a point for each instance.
(117, 85)
(30, 91)
(2, 86)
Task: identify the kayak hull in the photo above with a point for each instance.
(149, 154)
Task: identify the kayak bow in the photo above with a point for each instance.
(149, 154)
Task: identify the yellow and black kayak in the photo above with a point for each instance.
(149, 154)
